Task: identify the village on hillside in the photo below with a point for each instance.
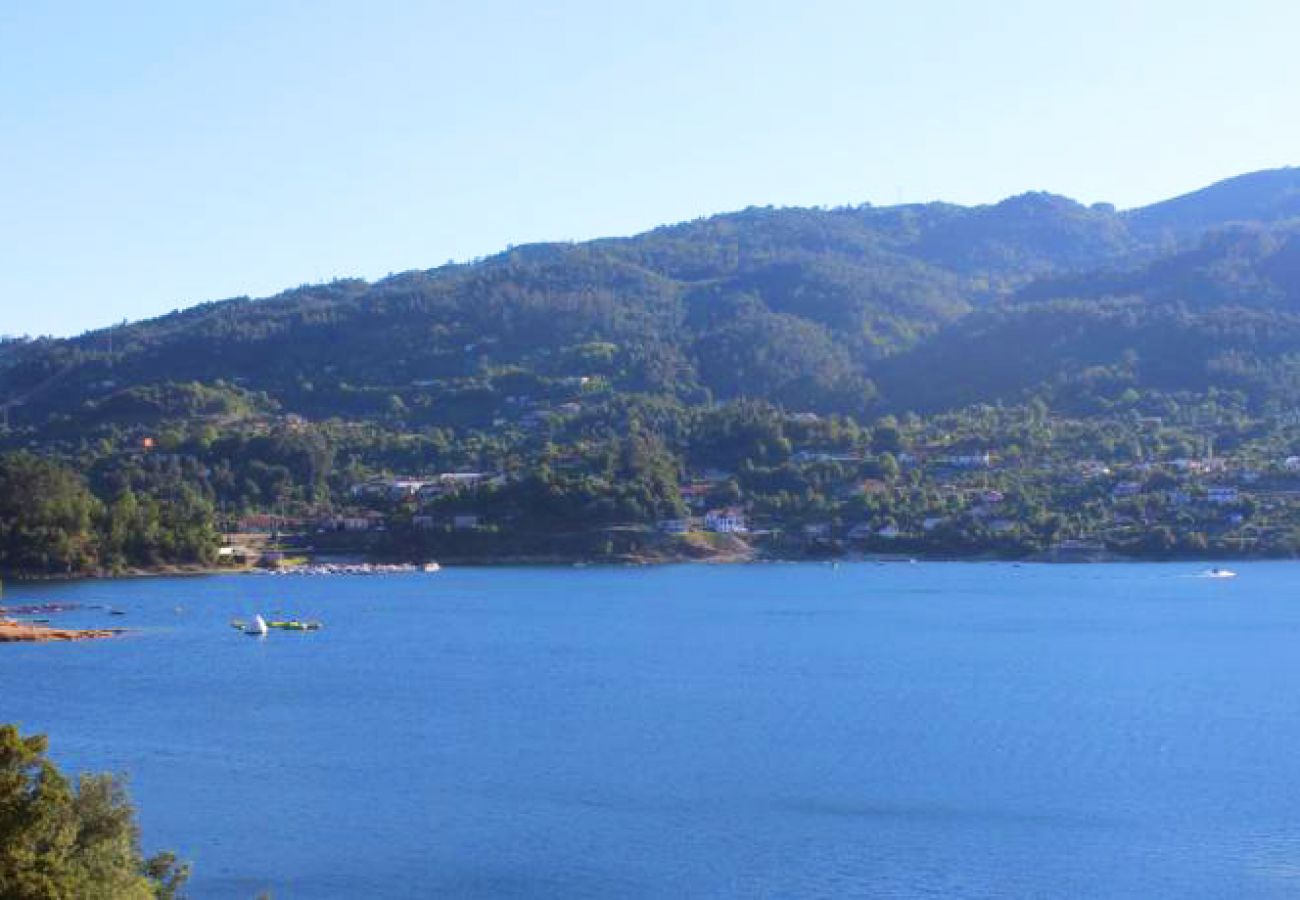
(1017, 485)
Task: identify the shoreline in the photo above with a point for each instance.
(554, 560)
(12, 632)
(124, 574)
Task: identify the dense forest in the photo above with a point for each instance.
(51, 522)
(798, 351)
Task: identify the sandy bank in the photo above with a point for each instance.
(23, 632)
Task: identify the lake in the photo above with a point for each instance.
(769, 730)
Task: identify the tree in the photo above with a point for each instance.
(64, 842)
(46, 516)
(886, 436)
(887, 463)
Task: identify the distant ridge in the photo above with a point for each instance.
(1268, 196)
(852, 310)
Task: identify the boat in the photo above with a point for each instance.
(431, 567)
(258, 628)
(294, 625)
(1218, 573)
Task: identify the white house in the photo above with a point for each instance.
(451, 482)
(729, 520)
(391, 488)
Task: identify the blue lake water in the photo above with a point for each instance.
(931, 730)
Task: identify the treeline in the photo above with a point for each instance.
(51, 523)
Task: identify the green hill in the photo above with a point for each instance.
(1268, 196)
(797, 306)
(856, 377)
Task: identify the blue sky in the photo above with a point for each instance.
(156, 155)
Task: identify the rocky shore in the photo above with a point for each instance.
(25, 632)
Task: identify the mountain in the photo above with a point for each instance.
(1028, 377)
(1268, 196)
(856, 310)
(1027, 236)
(1222, 314)
(1247, 265)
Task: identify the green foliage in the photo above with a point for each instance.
(809, 361)
(46, 517)
(51, 523)
(852, 310)
(64, 842)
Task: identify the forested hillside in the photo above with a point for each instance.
(1269, 196)
(797, 306)
(596, 377)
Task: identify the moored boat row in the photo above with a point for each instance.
(352, 569)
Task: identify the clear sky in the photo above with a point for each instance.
(155, 155)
